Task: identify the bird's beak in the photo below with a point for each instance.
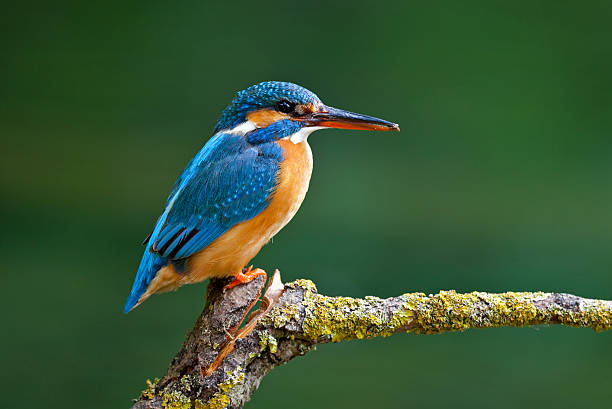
(329, 117)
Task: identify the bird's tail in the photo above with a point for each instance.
(148, 268)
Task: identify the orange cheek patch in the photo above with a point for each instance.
(264, 117)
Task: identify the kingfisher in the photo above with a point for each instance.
(243, 187)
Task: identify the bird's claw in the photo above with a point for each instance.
(245, 277)
(273, 292)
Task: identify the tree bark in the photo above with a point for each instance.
(220, 366)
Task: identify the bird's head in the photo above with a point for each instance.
(274, 110)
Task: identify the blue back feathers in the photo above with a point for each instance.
(220, 188)
(229, 181)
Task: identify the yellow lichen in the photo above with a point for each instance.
(342, 318)
(281, 315)
(306, 284)
(512, 308)
(187, 381)
(449, 311)
(222, 399)
(149, 393)
(267, 340)
(596, 314)
(218, 401)
(175, 400)
(440, 312)
(173, 397)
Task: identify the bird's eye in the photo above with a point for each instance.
(285, 106)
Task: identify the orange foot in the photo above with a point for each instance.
(245, 277)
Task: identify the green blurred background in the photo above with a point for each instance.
(500, 180)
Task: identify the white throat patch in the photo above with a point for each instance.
(302, 134)
(242, 128)
(298, 137)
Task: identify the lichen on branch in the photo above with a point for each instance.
(297, 318)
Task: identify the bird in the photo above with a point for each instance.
(240, 189)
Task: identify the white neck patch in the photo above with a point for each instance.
(298, 137)
(302, 134)
(242, 128)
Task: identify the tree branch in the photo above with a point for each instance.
(214, 371)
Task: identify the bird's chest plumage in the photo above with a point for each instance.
(230, 252)
(293, 181)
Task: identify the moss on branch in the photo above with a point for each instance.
(345, 318)
(302, 318)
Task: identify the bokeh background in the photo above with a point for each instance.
(500, 180)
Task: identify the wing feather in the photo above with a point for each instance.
(228, 182)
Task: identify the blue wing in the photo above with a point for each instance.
(228, 182)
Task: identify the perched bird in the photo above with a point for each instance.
(246, 184)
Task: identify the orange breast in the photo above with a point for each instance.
(231, 252)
